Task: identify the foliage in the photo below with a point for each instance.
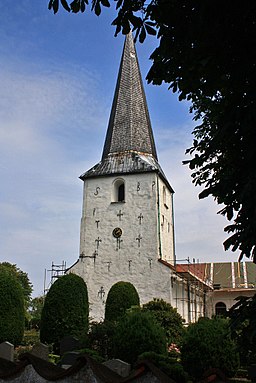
(31, 337)
(168, 318)
(136, 333)
(208, 344)
(243, 327)
(65, 310)
(121, 297)
(205, 53)
(12, 314)
(35, 311)
(100, 338)
(22, 278)
(170, 366)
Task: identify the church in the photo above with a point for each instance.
(127, 224)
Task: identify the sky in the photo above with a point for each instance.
(57, 79)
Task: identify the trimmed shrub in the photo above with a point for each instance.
(12, 313)
(121, 297)
(65, 310)
(168, 318)
(169, 365)
(207, 344)
(138, 332)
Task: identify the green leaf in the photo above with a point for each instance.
(65, 5)
(54, 4)
(142, 35)
(150, 30)
(105, 3)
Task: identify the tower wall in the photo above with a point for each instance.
(132, 257)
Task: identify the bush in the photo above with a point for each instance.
(65, 310)
(12, 313)
(168, 318)
(121, 297)
(208, 344)
(138, 332)
(167, 364)
(100, 338)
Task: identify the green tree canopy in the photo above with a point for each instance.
(21, 277)
(137, 333)
(35, 311)
(205, 52)
(12, 313)
(243, 327)
(65, 310)
(168, 318)
(207, 344)
(121, 297)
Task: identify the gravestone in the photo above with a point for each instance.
(119, 366)
(41, 351)
(69, 343)
(69, 359)
(68, 351)
(252, 372)
(7, 351)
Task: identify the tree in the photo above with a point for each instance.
(207, 344)
(12, 313)
(243, 327)
(22, 278)
(168, 318)
(65, 310)
(121, 297)
(137, 333)
(205, 53)
(35, 311)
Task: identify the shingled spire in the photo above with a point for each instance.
(129, 145)
(129, 128)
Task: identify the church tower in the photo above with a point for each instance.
(127, 228)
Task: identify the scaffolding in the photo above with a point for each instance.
(192, 290)
(56, 271)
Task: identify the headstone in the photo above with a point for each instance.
(41, 351)
(120, 367)
(7, 351)
(252, 372)
(69, 343)
(69, 359)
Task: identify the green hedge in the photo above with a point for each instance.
(136, 333)
(12, 313)
(65, 310)
(121, 297)
(207, 344)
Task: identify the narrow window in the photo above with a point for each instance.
(120, 193)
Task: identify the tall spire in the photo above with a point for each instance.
(129, 128)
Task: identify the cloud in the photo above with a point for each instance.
(41, 197)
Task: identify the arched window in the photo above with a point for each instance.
(220, 309)
(118, 193)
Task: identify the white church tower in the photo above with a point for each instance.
(127, 228)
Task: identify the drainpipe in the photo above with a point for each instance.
(159, 222)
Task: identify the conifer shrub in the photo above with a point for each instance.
(168, 318)
(12, 313)
(137, 333)
(65, 311)
(121, 297)
(207, 344)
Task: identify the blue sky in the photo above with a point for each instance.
(57, 79)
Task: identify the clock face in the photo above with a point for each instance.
(117, 232)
